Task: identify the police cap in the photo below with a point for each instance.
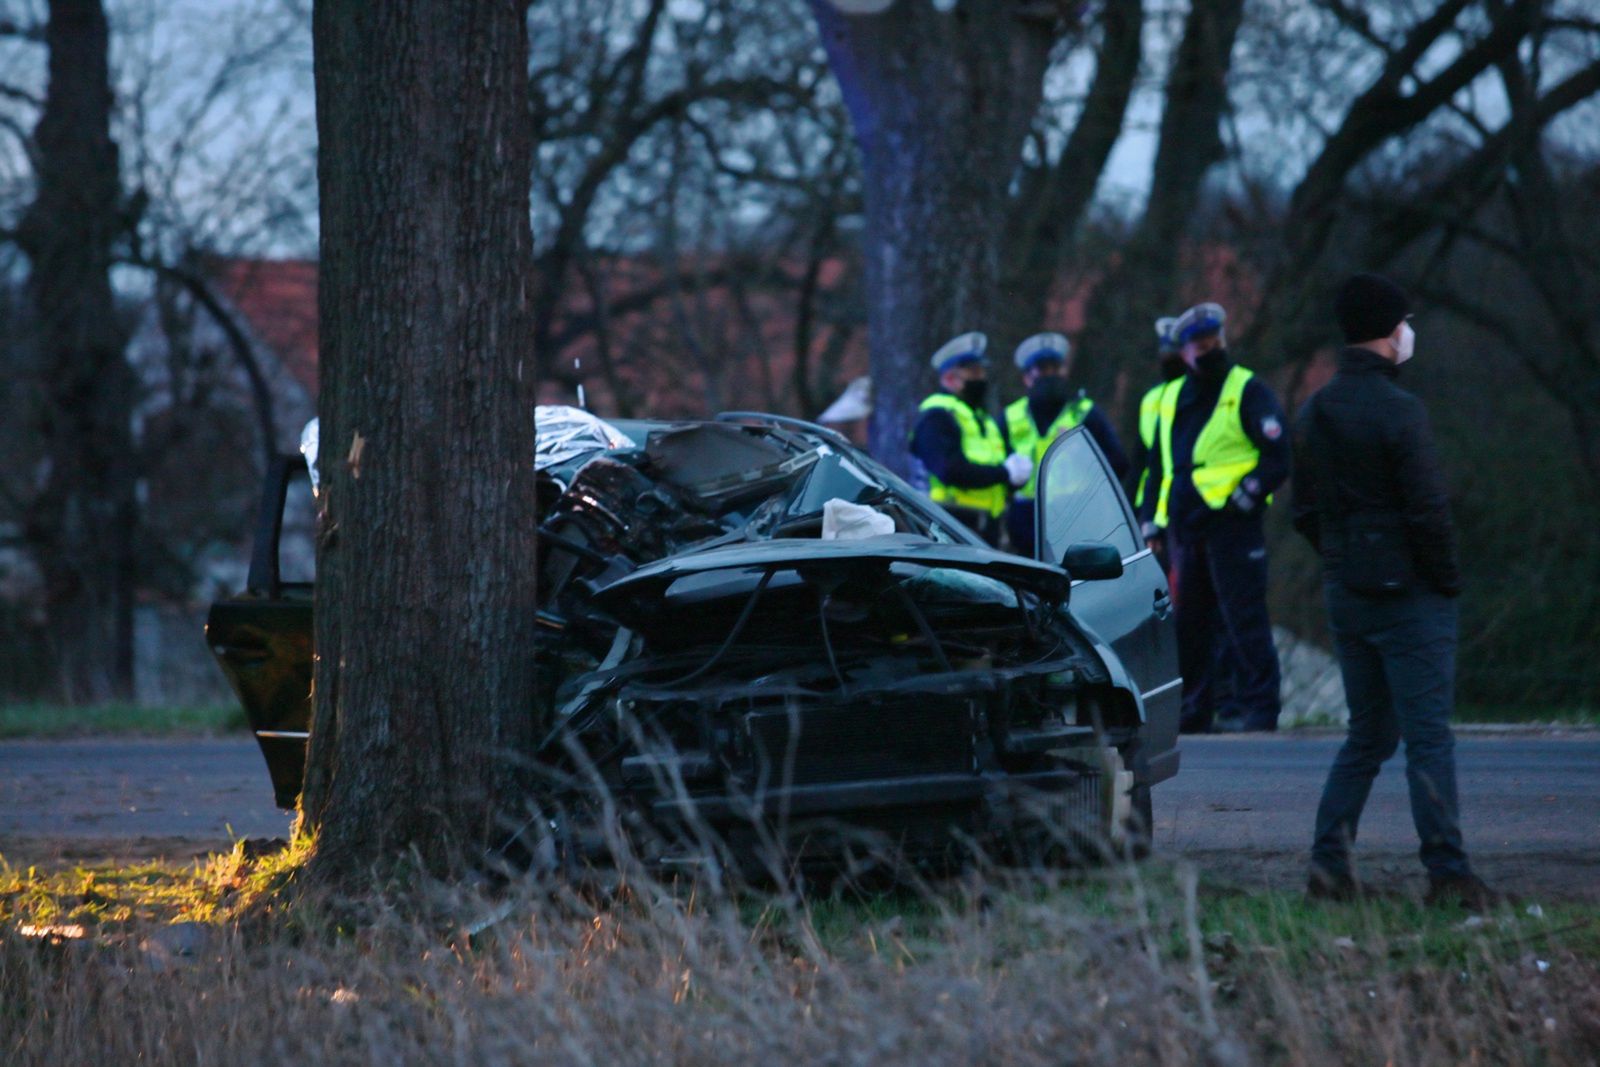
(1202, 320)
(967, 348)
(1042, 346)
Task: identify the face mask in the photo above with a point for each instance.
(1403, 348)
(974, 391)
(1049, 390)
(1212, 362)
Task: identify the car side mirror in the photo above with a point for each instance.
(1092, 561)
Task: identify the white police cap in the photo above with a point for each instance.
(960, 349)
(1042, 346)
(1165, 341)
(1198, 321)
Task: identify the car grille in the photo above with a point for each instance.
(803, 745)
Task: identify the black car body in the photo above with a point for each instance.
(718, 670)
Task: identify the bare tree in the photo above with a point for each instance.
(940, 101)
(1146, 279)
(1408, 89)
(1054, 191)
(81, 524)
(425, 594)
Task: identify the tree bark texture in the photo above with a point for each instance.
(1144, 284)
(425, 604)
(939, 103)
(83, 523)
(1051, 201)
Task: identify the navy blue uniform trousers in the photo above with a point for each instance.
(1223, 624)
(1398, 658)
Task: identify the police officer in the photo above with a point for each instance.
(1050, 409)
(1220, 450)
(1370, 495)
(1170, 367)
(961, 445)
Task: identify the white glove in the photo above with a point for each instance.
(1019, 469)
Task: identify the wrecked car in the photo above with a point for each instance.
(753, 636)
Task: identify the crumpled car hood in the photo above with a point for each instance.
(626, 597)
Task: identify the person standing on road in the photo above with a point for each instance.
(1050, 409)
(1370, 495)
(961, 446)
(1221, 448)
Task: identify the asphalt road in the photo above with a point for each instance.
(1241, 807)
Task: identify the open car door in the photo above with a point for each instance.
(1080, 501)
(262, 639)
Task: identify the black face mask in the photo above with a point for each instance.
(1049, 391)
(974, 392)
(1213, 363)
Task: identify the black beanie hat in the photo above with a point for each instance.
(1369, 306)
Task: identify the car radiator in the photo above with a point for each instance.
(802, 745)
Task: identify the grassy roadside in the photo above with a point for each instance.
(1530, 714)
(1148, 964)
(55, 721)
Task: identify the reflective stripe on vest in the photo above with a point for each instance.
(1223, 453)
(1025, 437)
(1149, 415)
(980, 444)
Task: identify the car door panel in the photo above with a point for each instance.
(1080, 500)
(262, 641)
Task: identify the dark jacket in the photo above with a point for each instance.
(1264, 423)
(1364, 449)
(936, 441)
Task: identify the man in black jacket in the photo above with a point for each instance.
(1370, 495)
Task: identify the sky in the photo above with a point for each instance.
(218, 119)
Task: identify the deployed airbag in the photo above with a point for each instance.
(844, 521)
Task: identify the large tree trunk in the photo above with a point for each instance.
(940, 103)
(82, 524)
(425, 593)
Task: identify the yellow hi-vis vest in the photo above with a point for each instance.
(980, 443)
(1149, 418)
(1223, 453)
(1026, 438)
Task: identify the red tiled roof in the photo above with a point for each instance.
(278, 299)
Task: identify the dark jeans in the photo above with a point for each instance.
(1223, 624)
(1398, 658)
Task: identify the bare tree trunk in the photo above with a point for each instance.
(82, 525)
(1044, 217)
(1144, 284)
(940, 103)
(426, 568)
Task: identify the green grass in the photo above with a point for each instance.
(51, 721)
(1235, 926)
(1561, 714)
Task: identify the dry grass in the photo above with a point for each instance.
(1134, 964)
